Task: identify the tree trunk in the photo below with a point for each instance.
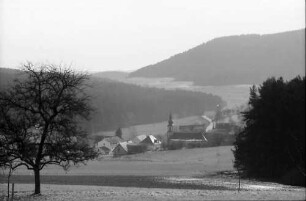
(8, 187)
(8, 183)
(37, 181)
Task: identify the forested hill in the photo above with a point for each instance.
(244, 59)
(7, 75)
(118, 104)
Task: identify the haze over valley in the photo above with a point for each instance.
(133, 100)
(226, 66)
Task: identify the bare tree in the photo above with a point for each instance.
(6, 164)
(40, 117)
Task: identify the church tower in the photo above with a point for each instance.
(170, 129)
(170, 124)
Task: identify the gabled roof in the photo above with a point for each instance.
(150, 139)
(105, 149)
(123, 145)
(139, 138)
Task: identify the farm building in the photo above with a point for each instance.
(229, 128)
(150, 140)
(136, 148)
(151, 143)
(106, 145)
(139, 139)
(120, 149)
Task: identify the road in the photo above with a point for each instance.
(211, 124)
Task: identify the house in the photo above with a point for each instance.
(120, 149)
(142, 143)
(150, 140)
(229, 128)
(151, 143)
(106, 145)
(139, 139)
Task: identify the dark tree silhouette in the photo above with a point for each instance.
(272, 144)
(118, 133)
(39, 118)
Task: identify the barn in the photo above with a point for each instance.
(120, 149)
(139, 139)
(150, 140)
(106, 145)
(151, 143)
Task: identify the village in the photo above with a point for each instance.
(205, 133)
(132, 100)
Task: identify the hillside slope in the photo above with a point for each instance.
(244, 59)
(7, 75)
(122, 105)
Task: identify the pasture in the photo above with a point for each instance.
(185, 162)
(188, 174)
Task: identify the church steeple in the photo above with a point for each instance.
(170, 123)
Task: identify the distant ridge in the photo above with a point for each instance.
(243, 59)
(7, 75)
(114, 75)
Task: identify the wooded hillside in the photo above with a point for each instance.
(241, 59)
(121, 105)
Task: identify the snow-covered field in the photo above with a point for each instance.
(249, 191)
(190, 174)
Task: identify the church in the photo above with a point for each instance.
(186, 135)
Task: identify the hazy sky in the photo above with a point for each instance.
(99, 35)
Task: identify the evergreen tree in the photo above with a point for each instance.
(119, 133)
(272, 142)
